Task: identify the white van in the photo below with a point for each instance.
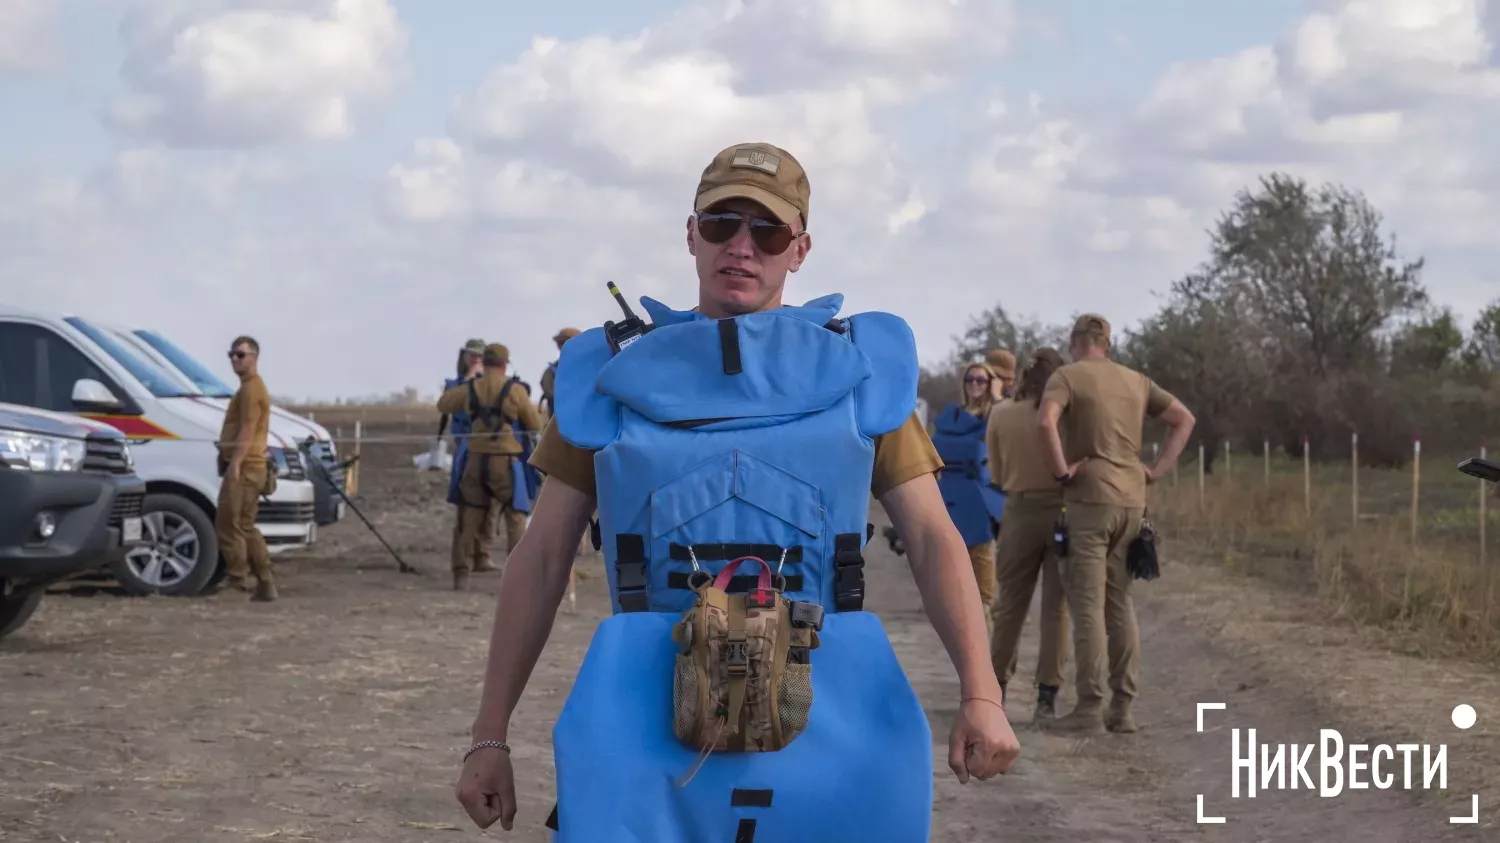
(292, 428)
(48, 361)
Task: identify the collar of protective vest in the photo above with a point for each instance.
(817, 311)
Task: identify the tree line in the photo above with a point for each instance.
(1302, 321)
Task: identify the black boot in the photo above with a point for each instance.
(1046, 702)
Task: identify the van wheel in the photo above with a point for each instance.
(180, 553)
(15, 609)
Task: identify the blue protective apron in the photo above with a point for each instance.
(714, 438)
(973, 503)
(459, 424)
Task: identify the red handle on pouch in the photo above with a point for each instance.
(722, 581)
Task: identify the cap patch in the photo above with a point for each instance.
(755, 159)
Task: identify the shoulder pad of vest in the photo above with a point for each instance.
(584, 417)
(888, 398)
(954, 420)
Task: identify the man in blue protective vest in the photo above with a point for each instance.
(470, 549)
(682, 437)
(493, 476)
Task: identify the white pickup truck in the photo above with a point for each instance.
(172, 434)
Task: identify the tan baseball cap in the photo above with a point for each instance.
(761, 173)
(565, 334)
(1002, 363)
(495, 354)
(1092, 325)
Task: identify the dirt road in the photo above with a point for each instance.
(338, 713)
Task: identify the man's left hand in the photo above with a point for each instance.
(982, 743)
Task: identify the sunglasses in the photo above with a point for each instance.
(238, 355)
(773, 238)
(976, 379)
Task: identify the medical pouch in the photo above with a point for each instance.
(743, 677)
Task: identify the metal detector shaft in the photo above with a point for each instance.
(405, 568)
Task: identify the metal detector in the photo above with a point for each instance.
(1483, 469)
(307, 451)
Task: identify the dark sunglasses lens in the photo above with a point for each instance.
(717, 228)
(977, 380)
(237, 355)
(771, 238)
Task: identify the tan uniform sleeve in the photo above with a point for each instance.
(1157, 399)
(524, 410)
(1059, 391)
(903, 454)
(453, 400)
(558, 458)
(992, 447)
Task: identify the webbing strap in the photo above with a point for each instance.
(849, 575)
(737, 654)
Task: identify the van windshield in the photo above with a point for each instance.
(159, 383)
(208, 384)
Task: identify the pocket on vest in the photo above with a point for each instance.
(794, 698)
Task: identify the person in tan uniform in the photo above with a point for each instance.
(1090, 422)
(549, 376)
(493, 402)
(1002, 365)
(736, 275)
(242, 465)
(1033, 503)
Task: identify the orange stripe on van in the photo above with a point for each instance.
(134, 427)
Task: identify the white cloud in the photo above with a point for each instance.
(29, 41)
(239, 73)
(572, 162)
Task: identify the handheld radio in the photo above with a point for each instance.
(626, 331)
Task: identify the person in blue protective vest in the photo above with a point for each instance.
(471, 549)
(742, 427)
(973, 503)
(493, 477)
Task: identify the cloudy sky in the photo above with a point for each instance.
(364, 184)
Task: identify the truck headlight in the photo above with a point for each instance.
(32, 452)
(288, 463)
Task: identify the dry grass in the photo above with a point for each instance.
(1434, 594)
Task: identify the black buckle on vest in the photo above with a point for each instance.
(630, 571)
(849, 575)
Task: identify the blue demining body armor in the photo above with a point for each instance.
(459, 424)
(965, 481)
(733, 437)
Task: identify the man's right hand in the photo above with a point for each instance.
(487, 788)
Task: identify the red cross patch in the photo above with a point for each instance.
(760, 598)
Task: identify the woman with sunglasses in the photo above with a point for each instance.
(973, 504)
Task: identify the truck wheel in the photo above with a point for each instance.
(15, 609)
(180, 553)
